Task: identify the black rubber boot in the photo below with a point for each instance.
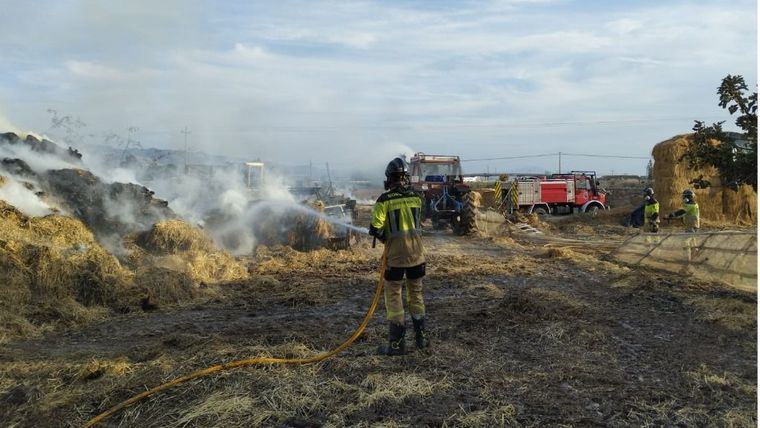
(420, 336)
(396, 343)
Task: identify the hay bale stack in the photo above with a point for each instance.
(671, 177)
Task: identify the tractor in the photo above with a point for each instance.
(447, 200)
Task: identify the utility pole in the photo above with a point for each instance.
(559, 167)
(186, 132)
(329, 179)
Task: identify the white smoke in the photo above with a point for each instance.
(39, 162)
(218, 200)
(24, 199)
(7, 126)
(389, 151)
(215, 198)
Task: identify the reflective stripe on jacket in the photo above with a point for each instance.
(397, 213)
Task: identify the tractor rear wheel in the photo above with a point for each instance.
(467, 224)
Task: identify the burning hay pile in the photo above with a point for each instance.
(175, 246)
(107, 208)
(297, 228)
(718, 203)
(53, 271)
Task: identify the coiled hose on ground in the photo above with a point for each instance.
(252, 361)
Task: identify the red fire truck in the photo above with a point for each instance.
(556, 194)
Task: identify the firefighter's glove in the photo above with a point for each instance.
(377, 233)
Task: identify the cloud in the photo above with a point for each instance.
(92, 70)
(336, 80)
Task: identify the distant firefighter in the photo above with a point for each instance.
(689, 213)
(651, 211)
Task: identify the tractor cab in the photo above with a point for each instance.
(446, 198)
(434, 171)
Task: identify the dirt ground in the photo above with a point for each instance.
(522, 334)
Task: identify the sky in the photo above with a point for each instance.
(354, 83)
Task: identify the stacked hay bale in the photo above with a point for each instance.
(717, 203)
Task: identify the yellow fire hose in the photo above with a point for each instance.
(252, 361)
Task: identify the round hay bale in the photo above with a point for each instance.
(172, 236)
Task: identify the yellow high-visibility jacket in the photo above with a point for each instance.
(396, 218)
(691, 218)
(649, 210)
(397, 213)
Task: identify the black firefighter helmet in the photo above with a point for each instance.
(397, 172)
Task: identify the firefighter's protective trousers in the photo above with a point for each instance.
(394, 303)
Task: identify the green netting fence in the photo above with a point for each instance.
(730, 257)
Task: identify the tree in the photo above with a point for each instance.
(733, 155)
(70, 125)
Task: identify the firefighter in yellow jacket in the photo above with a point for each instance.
(651, 211)
(689, 213)
(396, 222)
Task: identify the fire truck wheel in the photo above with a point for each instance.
(540, 212)
(592, 210)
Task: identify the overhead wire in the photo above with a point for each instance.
(555, 155)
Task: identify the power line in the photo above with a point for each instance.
(557, 154)
(606, 156)
(511, 157)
